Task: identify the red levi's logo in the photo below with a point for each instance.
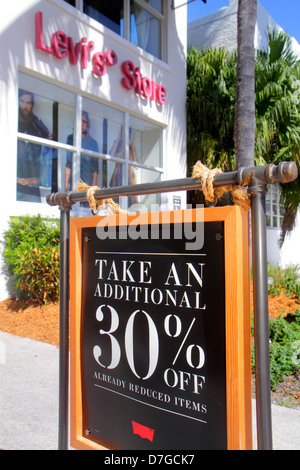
(142, 431)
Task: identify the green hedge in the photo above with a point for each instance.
(31, 257)
(284, 348)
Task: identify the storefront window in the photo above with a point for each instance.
(107, 126)
(108, 13)
(145, 142)
(64, 138)
(139, 21)
(274, 209)
(102, 134)
(157, 4)
(138, 175)
(45, 112)
(144, 153)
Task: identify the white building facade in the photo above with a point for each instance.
(219, 29)
(93, 91)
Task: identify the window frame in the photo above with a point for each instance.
(77, 150)
(274, 218)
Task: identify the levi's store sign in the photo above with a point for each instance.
(82, 52)
(142, 85)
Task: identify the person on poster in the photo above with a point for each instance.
(29, 154)
(88, 165)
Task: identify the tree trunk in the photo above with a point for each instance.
(245, 84)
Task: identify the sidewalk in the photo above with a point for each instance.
(29, 399)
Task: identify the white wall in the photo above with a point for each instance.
(218, 29)
(18, 52)
(289, 254)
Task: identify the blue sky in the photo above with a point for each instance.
(285, 13)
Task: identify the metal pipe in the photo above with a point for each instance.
(261, 321)
(284, 172)
(64, 330)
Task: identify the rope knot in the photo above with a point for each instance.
(112, 206)
(207, 176)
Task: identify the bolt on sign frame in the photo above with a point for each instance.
(205, 399)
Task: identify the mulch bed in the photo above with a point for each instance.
(29, 319)
(287, 392)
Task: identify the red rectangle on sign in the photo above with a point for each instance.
(142, 431)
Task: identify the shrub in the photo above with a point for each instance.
(284, 348)
(283, 336)
(31, 257)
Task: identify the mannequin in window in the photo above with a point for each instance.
(29, 164)
(88, 165)
(116, 179)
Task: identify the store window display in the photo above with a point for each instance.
(65, 137)
(88, 165)
(31, 157)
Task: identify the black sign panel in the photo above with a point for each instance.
(153, 342)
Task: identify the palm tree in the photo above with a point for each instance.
(214, 77)
(277, 73)
(210, 107)
(277, 104)
(211, 112)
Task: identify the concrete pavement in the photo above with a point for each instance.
(29, 399)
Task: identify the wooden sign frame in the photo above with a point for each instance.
(237, 319)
